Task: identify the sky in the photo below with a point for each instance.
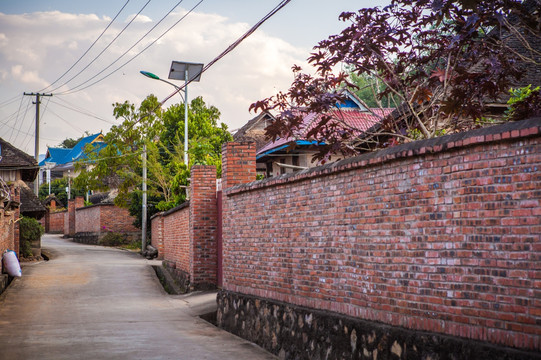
(40, 40)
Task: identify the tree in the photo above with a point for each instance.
(58, 188)
(442, 61)
(119, 165)
(69, 143)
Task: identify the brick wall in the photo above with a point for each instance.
(7, 219)
(187, 233)
(442, 235)
(97, 220)
(88, 219)
(176, 239)
(56, 221)
(156, 240)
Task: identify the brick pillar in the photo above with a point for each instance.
(79, 202)
(52, 205)
(203, 226)
(238, 164)
(71, 217)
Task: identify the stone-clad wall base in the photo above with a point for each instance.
(294, 332)
(87, 238)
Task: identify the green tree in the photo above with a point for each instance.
(119, 165)
(69, 143)
(58, 188)
(368, 89)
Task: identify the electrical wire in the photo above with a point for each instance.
(81, 111)
(9, 101)
(86, 52)
(73, 90)
(105, 49)
(230, 47)
(216, 59)
(28, 105)
(67, 122)
(18, 111)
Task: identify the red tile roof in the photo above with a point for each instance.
(361, 121)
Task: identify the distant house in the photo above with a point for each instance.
(18, 168)
(15, 164)
(292, 154)
(60, 162)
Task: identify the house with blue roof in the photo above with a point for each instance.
(60, 162)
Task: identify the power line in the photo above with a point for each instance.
(105, 49)
(9, 101)
(73, 90)
(231, 47)
(81, 111)
(216, 59)
(18, 110)
(86, 52)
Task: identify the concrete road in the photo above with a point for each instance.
(91, 302)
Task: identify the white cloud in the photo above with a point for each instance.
(258, 68)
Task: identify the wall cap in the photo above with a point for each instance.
(171, 211)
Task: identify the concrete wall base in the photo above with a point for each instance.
(294, 332)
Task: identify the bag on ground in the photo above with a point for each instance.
(12, 263)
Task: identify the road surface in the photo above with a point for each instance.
(91, 302)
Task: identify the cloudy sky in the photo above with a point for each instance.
(40, 40)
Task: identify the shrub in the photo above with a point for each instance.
(113, 239)
(30, 230)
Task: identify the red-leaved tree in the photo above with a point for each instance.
(442, 62)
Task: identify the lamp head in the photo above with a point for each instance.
(150, 75)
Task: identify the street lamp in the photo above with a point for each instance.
(188, 72)
(156, 77)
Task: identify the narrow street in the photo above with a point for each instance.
(91, 302)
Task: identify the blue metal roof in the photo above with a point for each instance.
(61, 156)
(298, 142)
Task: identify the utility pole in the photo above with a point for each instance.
(36, 146)
(144, 209)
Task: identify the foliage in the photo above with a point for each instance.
(443, 61)
(30, 230)
(58, 188)
(69, 143)
(119, 164)
(113, 239)
(367, 89)
(524, 102)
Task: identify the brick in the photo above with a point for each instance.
(451, 235)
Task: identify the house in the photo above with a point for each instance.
(16, 169)
(286, 155)
(59, 162)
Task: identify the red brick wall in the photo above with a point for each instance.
(6, 232)
(104, 218)
(176, 239)
(203, 221)
(115, 219)
(156, 240)
(56, 222)
(88, 219)
(187, 234)
(441, 235)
